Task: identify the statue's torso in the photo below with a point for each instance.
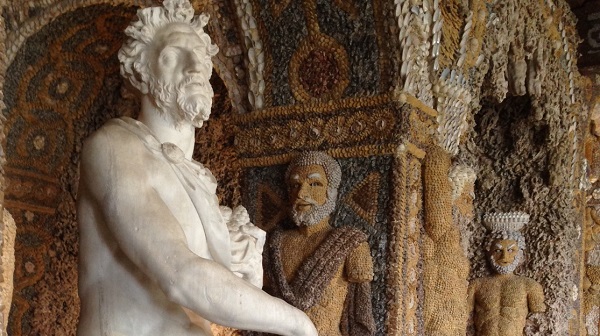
(116, 297)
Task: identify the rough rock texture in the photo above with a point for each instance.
(591, 230)
(515, 172)
(527, 149)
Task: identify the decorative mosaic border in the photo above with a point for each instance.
(354, 127)
(32, 186)
(385, 25)
(413, 256)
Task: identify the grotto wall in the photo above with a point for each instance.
(491, 88)
(503, 81)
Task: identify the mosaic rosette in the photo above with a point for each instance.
(310, 56)
(319, 69)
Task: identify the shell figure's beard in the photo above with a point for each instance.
(182, 105)
(316, 213)
(509, 268)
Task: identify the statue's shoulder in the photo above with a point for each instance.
(359, 262)
(111, 146)
(115, 132)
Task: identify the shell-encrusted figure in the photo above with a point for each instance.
(501, 302)
(324, 271)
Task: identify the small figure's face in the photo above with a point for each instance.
(307, 187)
(181, 66)
(504, 252)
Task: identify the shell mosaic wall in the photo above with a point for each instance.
(412, 97)
(375, 161)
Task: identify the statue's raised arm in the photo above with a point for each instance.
(155, 250)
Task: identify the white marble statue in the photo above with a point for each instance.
(155, 249)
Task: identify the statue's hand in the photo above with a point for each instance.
(226, 212)
(247, 242)
(240, 215)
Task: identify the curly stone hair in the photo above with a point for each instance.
(133, 55)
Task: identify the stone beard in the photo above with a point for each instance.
(157, 255)
(192, 106)
(501, 302)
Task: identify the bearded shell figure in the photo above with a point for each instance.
(324, 271)
(500, 303)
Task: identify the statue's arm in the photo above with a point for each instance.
(535, 297)
(150, 236)
(359, 264)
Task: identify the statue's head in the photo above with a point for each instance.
(168, 57)
(506, 244)
(313, 179)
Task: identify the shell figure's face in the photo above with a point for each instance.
(307, 187)
(504, 251)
